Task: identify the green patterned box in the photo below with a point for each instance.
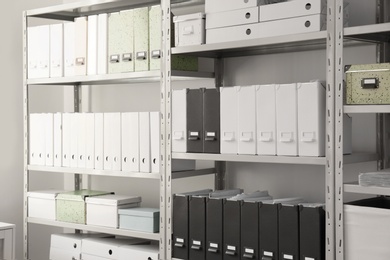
(368, 84)
(141, 39)
(71, 205)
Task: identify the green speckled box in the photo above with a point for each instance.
(368, 84)
(71, 205)
(141, 39)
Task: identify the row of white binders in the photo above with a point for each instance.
(103, 141)
(124, 41)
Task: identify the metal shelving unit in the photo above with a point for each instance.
(356, 188)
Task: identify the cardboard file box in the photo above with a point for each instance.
(42, 204)
(229, 120)
(103, 210)
(368, 84)
(130, 252)
(367, 229)
(189, 29)
(71, 205)
(141, 39)
(232, 18)
(213, 6)
(233, 33)
(141, 219)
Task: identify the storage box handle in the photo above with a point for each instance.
(370, 83)
(228, 136)
(308, 137)
(286, 137)
(265, 136)
(211, 136)
(188, 30)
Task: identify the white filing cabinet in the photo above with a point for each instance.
(7, 241)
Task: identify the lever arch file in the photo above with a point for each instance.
(144, 141)
(102, 44)
(69, 49)
(141, 39)
(214, 230)
(155, 142)
(179, 120)
(57, 131)
(49, 138)
(92, 41)
(99, 141)
(56, 50)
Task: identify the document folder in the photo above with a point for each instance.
(229, 120)
(268, 237)
(197, 227)
(179, 121)
(211, 121)
(232, 229)
(195, 125)
(214, 228)
(250, 230)
(289, 232)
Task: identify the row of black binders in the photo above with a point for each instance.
(217, 226)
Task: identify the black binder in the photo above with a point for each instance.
(195, 120)
(250, 230)
(312, 232)
(268, 237)
(289, 232)
(197, 228)
(231, 230)
(214, 230)
(211, 121)
(180, 226)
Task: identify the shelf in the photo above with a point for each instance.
(356, 188)
(113, 231)
(286, 43)
(89, 7)
(186, 174)
(142, 175)
(366, 109)
(375, 33)
(122, 78)
(360, 158)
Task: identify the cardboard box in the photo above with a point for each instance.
(189, 29)
(42, 204)
(140, 219)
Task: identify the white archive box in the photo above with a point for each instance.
(112, 141)
(147, 252)
(105, 248)
(103, 210)
(141, 39)
(266, 119)
(68, 246)
(32, 52)
(189, 29)
(74, 136)
(291, 9)
(37, 139)
(286, 119)
(81, 28)
(232, 18)
(42, 204)
(247, 120)
(66, 139)
(102, 44)
(99, 141)
(233, 33)
(56, 50)
(57, 135)
(38, 47)
(144, 142)
(229, 120)
(296, 25)
(92, 50)
(90, 140)
(215, 6)
(311, 118)
(81, 139)
(49, 138)
(179, 121)
(130, 141)
(69, 49)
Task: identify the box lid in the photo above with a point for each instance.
(140, 212)
(188, 17)
(44, 194)
(113, 200)
(80, 195)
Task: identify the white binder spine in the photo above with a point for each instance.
(81, 140)
(102, 44)
(69, 49)
(49, 139)
(116, 141)
(81, 34)
(134, 134)
(179, 121)
(144, 146)
(66, 139)
(57, 140)
(99, 141)
(90, 140)
(74, 140)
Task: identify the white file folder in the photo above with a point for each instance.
(81, 140)
(57, 131)
(99, 141)
(144, 141)
(155, 37)
(286, 119)
(141, 39)
(81, 28)
(56, 50)
(107, 141)
(125, 128)
(266, 119)
(69, 49)
(90, 140)
(32, 52)
(134, 133)
(247, 120)
(66, 139)
(179, 121)
(116, 141)
(155, 141)
(102, 44)
(49, 138)
(74, 121)
(311, 118)
(92, 45)
(114, 42)
(127, 43)
(229, 120)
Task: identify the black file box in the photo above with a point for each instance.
(211, 121)
(214, 229)
(197, 228)
(250, 230)
(269, 231)
(195, 120)
(180, 226)
(231, 230)
(289, 232)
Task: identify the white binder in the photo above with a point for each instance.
(116, 141)
(49, 138)
(247, 120)
(286, 119)
(56, 50)
(92, 40)
(102, 44)
(125, 143)
(155, 37)
(99, 141)
(311, 118)
(266, 119)
(229, 120)
(144, 141)
(57, 131)
(32, 52)
(107, 141)
(130, 142)
(179, 121)
(81, 140)
(90, 140)
(81, 34)
(69, 49)
(74, 140)
(127, 42)
(155, 141)
(134, 133)
(66, 139)
(141, 39)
